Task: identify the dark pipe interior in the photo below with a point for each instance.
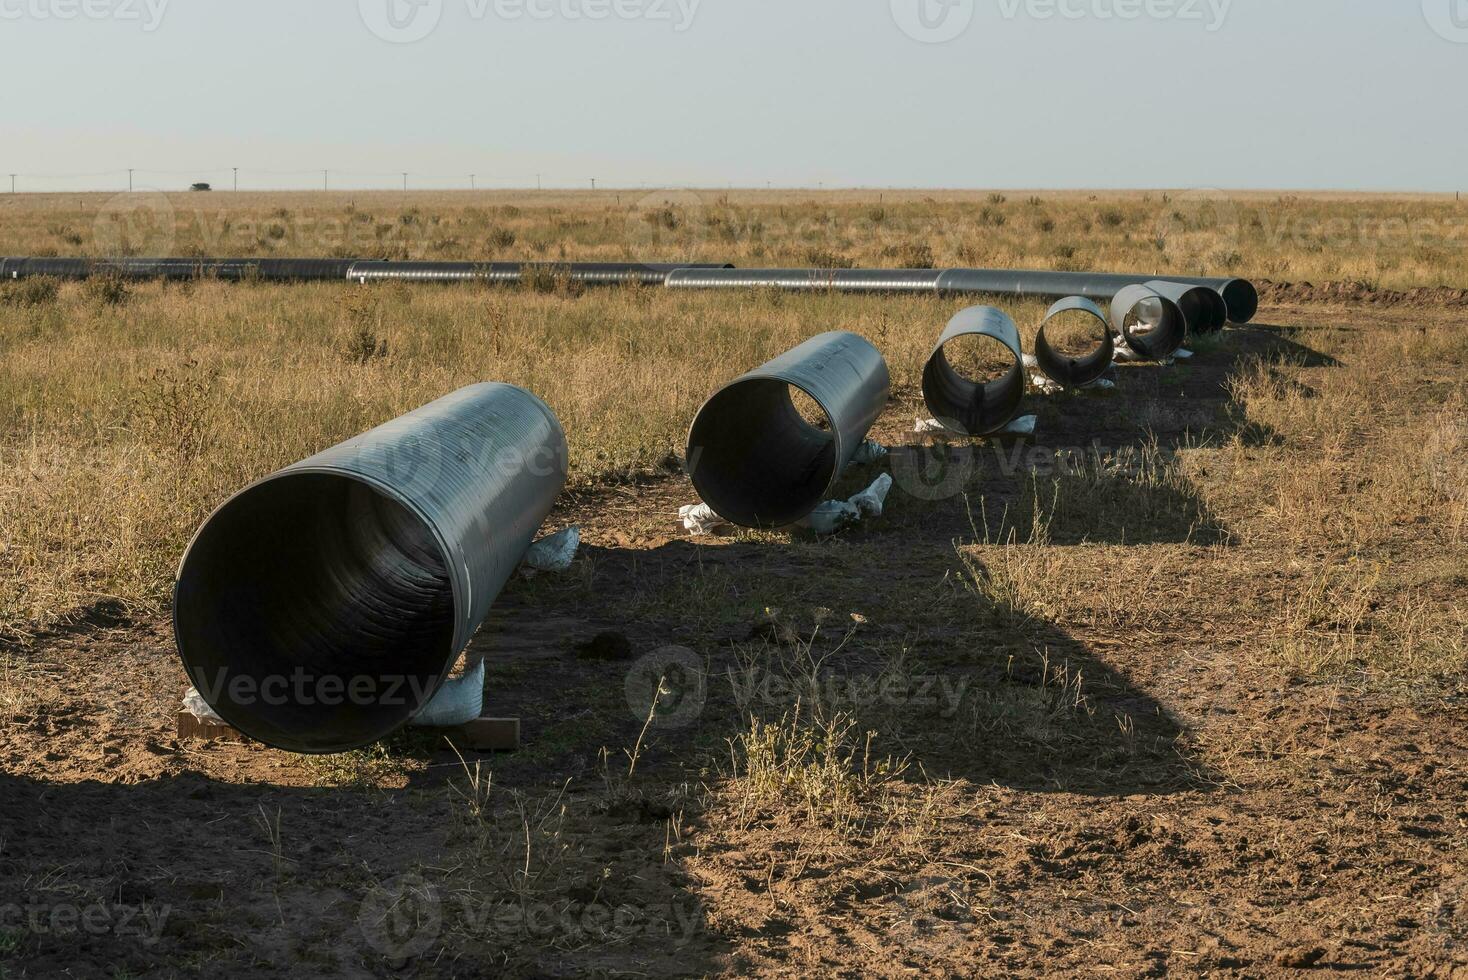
(1064, 368)
(754, 460)
(975, 407)
(323, 584)
(1242, 300)
(1155, 327)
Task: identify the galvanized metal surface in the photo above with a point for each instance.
(1240, 296)
(587, 273)
(319, 609)
(1203, 306)
(812, 280)
(968, 406)
(1151, 324)
(1075, 372)
(751, 455)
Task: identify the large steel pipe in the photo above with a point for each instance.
(1203, 306)
(1239, 295)
(971, 406)
(1057, 359)
(752, 456)
(588, 273)
(1151, 324)
(231, 270)
(808, 280)
(1241, 298)
(320, 608)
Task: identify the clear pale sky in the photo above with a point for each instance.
(1348, 94)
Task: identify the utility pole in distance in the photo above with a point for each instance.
(471, 182)
(326, 180)
(537, 181)
(129, 180)
(12, 183)
(236, 178)
(593, 183)
(405, 180)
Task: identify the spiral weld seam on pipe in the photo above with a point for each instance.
(1203, 306)
(1168, 327)
(1075, 372)
(965, 406)
(374, 561)
(751, 456)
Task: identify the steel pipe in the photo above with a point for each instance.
(1064, 369)
(1151, 324)
(964, 405)
(320, 608)
(1239, 295)
(751, 455)
(1203, 306)
(808, 280)
(588, 273)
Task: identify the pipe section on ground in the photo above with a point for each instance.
(756, 461)
(808, 280)
(969, 406)
(320, 608)
(1063, 367)
(587, 273)
(1203, 306)
(1150, 324)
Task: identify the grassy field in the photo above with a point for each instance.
(1180, 685)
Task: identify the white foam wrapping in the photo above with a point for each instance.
(458, 702)
(555, 552)
(195, 705)
(699, 519)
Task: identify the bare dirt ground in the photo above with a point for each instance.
(1113, 775)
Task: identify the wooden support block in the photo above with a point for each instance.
(488, 735)
(191, 725)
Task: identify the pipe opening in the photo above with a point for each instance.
(1242, 300)
(1153, 326)
(974, 384)
(762, 453)
(1073, 346)
(315, 613)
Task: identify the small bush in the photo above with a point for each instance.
(910, 255)
(364, 346)
(501, 238)
(821, 258)
(106, 290)
(992, 218)
(39, 291)
(1111, 218)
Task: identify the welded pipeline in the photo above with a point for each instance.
(1151, 324)
(1240, 296)
(965, 405)
(174, 269)
(587, 273)
(1203, 306)
(808, 280)
(357, 270)
(320, 608)
(1064, 369)
(751, 455)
